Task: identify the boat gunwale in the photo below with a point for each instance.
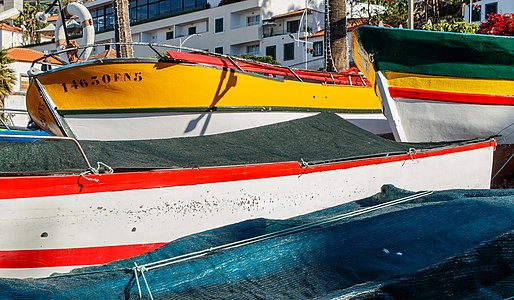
(327, 164)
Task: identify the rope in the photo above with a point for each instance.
(503, 166)
(329, 60)
(142, 270)
(268, 236)
(411, 152)
(92, 170)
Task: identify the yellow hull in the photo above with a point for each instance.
(132, 85)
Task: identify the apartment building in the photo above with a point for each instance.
(258, 27)
(291, 31)
(481, 9)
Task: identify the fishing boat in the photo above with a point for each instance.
(58, 211)
(396, 244)
(177, 94)
(168, 97)
(440, 86)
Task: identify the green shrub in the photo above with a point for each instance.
(444, 25)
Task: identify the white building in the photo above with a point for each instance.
(22, 61)
(238, 28)
(286, 38)
(283, 29)
(481, 9)
(11, 36)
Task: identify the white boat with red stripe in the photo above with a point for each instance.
(55, 223)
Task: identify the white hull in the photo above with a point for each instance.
(159, 215)
(434, 121)
(147, 126)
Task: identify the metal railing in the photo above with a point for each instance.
(159, 52)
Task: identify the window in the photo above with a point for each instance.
(293, 26)
(132, 11)
(164, 7)
(109, 18)
(218, 50)
(253, 50)
(318, 49)
(24, 82)
(153, 10)
(475, 15)
(491, 8)
(289, 51)
(191, 30)
(169, 35)
(103, 18)
(143, 10)
(176, 6)
(218, 25)
(252, 20)
(189, 4)
(142, 13)
(271, 51)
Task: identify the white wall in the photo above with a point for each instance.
(17, 99)
(11, 39)
(504, 6)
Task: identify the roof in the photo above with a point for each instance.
(6, 27)
(357, 11)
(349, 28)
(295, 13)
(27, 55)
(110, 53)
(316, 34)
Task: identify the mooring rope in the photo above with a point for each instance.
(503, 166)
(189, 256)
(142, 270)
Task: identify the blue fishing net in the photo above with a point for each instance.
(456, 244)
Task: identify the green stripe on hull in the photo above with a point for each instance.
(217, 109)
(438, 53)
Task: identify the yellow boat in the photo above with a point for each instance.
(183, 94)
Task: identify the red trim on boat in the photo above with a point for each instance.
(45, 258)
(451, 97)
(43, 186)
(348, 77)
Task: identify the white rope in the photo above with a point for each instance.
(136, 275)
(142, 270)
(92, 170)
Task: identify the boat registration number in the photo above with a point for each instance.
(104, 79)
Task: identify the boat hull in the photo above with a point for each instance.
(147, 126)
(420, 119)
(152, 99)
(57, 223)
(440, 86)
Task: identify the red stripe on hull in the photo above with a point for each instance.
(451, 97)
(43, 186)
(46, 258)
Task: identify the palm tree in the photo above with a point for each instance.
(122, 27)
(7, 78)
(337, 45)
